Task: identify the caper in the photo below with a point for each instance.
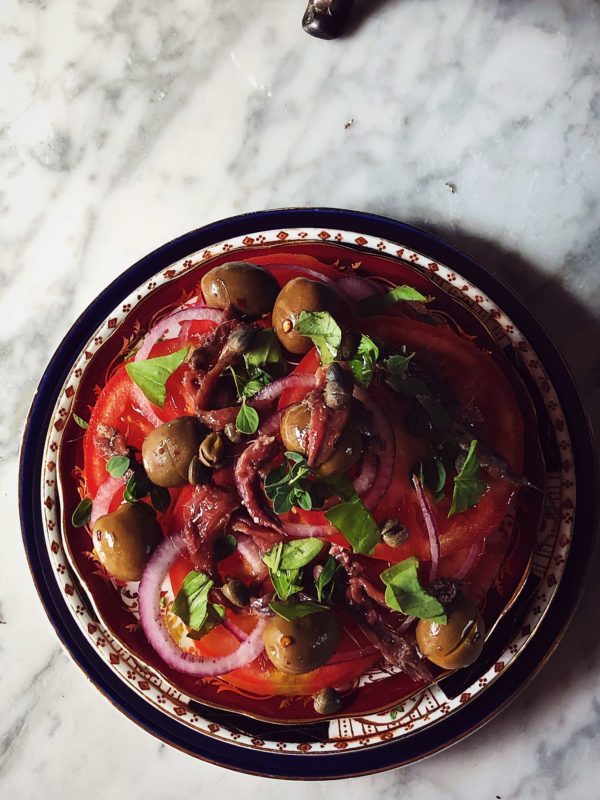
(240, 340)
(300, 294)
(336, 395)
(394, 533)
(459, 642)
(246, 287)
(327, 701)
(125, 539)
(198, 473)
(231, 432)
(236, 592)
(302, 644)
(168, 450)
(212, 450)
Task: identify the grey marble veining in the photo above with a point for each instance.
(124, 124)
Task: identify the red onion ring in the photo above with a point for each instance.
(145, 406)
(357, 288)
(233, 629)
(158, 635)
(430, 524)
(296, 380)
(474, 553)
(103, 499)
(271, 425)
(250, 552)
(385, 470)
(300, 530)
(184, 315)
(364, 480)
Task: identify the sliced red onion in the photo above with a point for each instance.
(271, 425)
(234, 630)
(364, 480)
(298, 530)
(406, 624)
(302, 271)
(250, 552)
(357, 288)
(103, 498)
(296, 380)
(184, 315)
(158, 635)
(474, 553)
(145, 406)
(384, 431)
(430, 524)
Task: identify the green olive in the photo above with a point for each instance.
(303, 644)
(124, 540)
(169, 449)
(294, 431)
(459, 642)
(241, 285)
(300, 294)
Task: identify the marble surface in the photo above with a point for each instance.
(123, 124)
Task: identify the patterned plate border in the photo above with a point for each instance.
(429, 706)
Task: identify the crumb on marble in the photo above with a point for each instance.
(451, 187)
(349, 124)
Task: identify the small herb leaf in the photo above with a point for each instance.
(266, 350)
(468, 486)
(152, 374)
(247, 419)
(363, 363)
(379, 303)
(81, 515)
(323, 331)
(404, 593)
(291, 611)
(117, 466)
(191, 602)
(81, 422)
(358, 526)
(326, 576)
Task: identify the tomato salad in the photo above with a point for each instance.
(317, 463)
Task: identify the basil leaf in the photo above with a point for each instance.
(396, 368)
(81, 422)
(134, 490)
(160, 497)
(283, 501)
(404, 593)
(152, 374)
(273, 556)
(215, 614)
(323, 331)
(191, 603)
(247, 419)
(326, 576)
(266, 349)
(379, 303)
(297, 458)
(291, 611)
(433, 475)
(468, 486)
(225, 546)
(353, 520)
(285, 582)
(363, 363)
(299, 552)
(117, 466)
(81, 515)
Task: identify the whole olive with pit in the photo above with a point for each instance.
(125, 539)
(300, 294)
(248, 288)
(294, 434)
(169, 449)
(459, 642)
(302, 644)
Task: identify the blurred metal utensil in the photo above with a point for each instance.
(326, 19)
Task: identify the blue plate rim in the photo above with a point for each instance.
(341, 764)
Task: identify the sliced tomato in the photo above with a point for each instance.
(272, 260)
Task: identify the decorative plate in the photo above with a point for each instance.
(390, 721)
